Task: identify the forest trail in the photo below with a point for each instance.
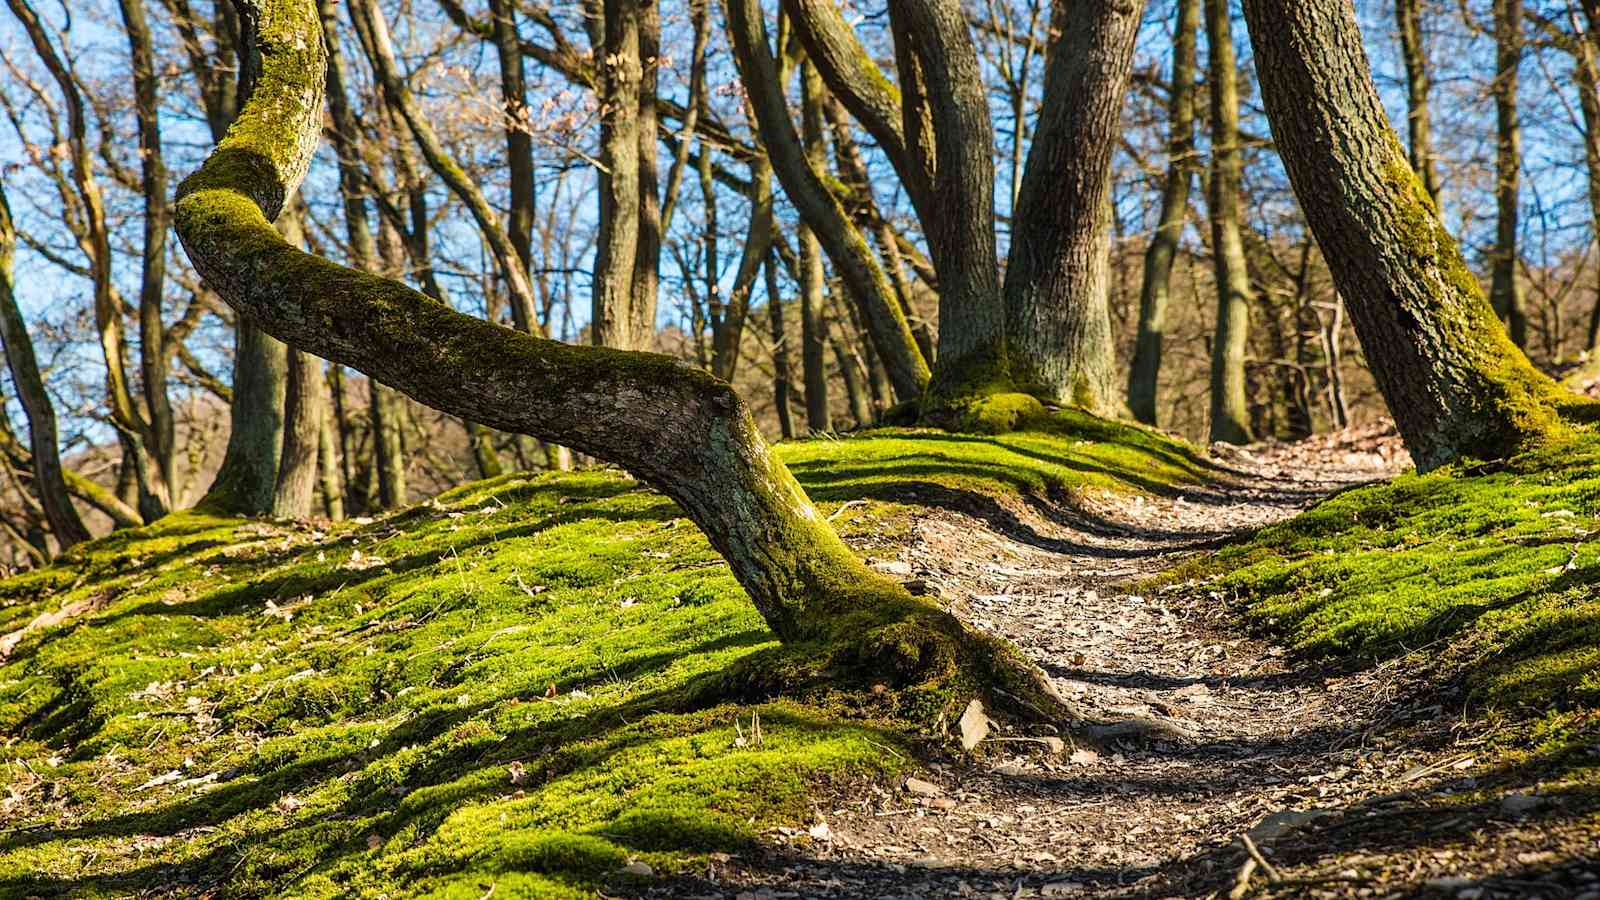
(1279, 742)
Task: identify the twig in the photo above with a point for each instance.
(1255, 853)
(1241, 882)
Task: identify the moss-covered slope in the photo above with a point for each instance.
(1501, 567)
(525, 683)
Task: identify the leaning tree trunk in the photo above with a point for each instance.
(1230, 410)
(1058, 274)
(1505, 291)
(1145, 370)
(672, 425)
(48, 481)
(845, 245)
(1455, 383)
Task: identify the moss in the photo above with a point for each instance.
(253, 707)
(1502, 566)
(1512, 406)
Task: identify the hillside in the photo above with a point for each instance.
(529, 682)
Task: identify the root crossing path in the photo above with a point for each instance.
(1292, 775)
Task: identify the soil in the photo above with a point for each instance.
(1297, 779)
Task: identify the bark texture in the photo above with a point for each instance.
(1145, 370)
(1230, 409)
(1057, 276)
(1453, 380)
(1505, 291)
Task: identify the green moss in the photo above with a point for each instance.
(251, 704)
(1503, 566)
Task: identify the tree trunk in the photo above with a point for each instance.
(781, 377)
(1230, 409)
(1456, 385)
(1057, 278)
(1505, 291)
(1144, 372)
(49, 484)
(305, 410)
(329, 461)
(674, 426)
(852, 256)
(245, 483)
(813, 324)
(947, 98)
(1586, 65)
(1408, 23)
(161, 438)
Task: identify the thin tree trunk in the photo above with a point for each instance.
(1057, 277)
(813, 323)
(1505, 291)
(1454, 382)
(329, 461)
(305, 412)
(1408, 23)
(1145, 370)
(852, 256)
(48, 482)
(1586, 65)
(780, 352)
(153, 356)
(1230, 408)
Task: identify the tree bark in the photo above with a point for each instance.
(304, 408)
(1505, 291)
(1230, 409)
(675, 427)
(781, 377)
(1058, 273)
(958, 218)
(1145, 370)
(1454, 382)
(49, 484)
(1414, 53)
(813, 323)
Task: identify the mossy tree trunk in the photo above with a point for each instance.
(304, 407)
(1058, 273)
(1230, 409)
(1145, 370)
(49, 483)
(1455, 384)
(676, 427)
(1505, 290)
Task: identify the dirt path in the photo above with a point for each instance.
(1283, 750)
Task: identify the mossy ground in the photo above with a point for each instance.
(367, 708)
(1494, 568)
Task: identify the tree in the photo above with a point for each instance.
(1456, 385)
(1230, 410)
(675, 427)
(1505, 291)
(1046, 330)
(1419, 118)
(1145, 369)
(48, 482)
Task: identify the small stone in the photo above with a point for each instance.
(640, 869)
(923, 788)
(1520, 804)
(944, 803)
(974, 725)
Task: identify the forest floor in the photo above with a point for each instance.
(1343, 780)
(521, 688)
